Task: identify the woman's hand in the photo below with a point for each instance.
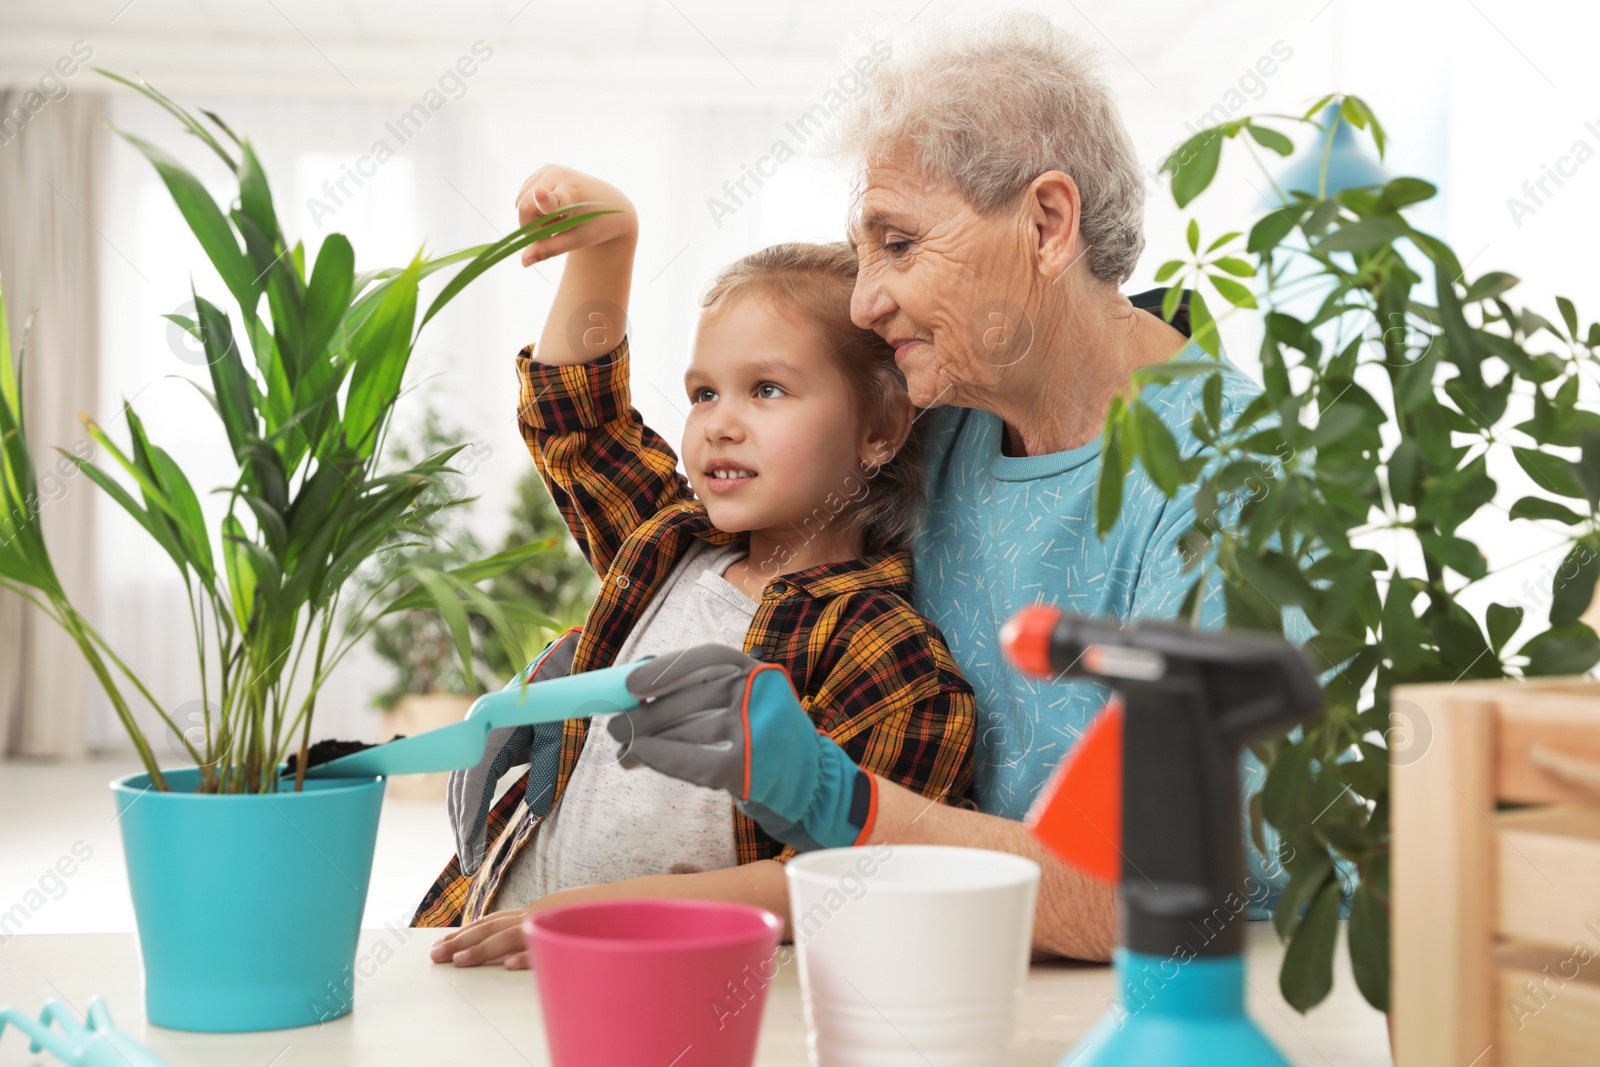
(553, 187)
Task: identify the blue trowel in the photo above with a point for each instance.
(460, 745)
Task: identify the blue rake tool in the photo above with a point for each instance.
(94, 1042)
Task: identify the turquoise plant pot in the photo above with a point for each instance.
(248, 907)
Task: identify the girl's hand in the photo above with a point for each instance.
(497, 937)
(552, 187)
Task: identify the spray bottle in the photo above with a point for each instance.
(1149, 799)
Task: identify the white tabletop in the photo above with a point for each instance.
(409, 1011)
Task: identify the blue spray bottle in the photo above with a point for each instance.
(1149, 799)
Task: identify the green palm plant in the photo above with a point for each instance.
(305, 418)
(1380, 411)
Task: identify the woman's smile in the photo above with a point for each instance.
(904, 347)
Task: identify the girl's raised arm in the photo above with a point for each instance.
(590, 311)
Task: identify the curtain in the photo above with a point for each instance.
(50, 173)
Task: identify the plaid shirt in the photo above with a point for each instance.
(873, 674)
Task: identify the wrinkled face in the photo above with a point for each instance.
(772, 432)
(951, 289)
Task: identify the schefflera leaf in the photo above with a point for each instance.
(1393, 416)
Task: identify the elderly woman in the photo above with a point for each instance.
(999, 209)
(1000, 206)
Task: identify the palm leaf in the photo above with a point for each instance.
(206, 220)
(144, 88)
(380, 352)
(537, 230)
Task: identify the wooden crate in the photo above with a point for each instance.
(1496, 923)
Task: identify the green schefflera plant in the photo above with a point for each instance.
(305, 417)
(1380, 412)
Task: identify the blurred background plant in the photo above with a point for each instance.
(558, 584)
(1392, 383)
(539, 597)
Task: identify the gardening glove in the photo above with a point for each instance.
(716, 717)
(470, 795)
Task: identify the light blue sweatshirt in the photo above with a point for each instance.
(1005, 532)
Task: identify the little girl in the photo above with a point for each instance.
(785, 540)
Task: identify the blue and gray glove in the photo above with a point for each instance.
(714, 716)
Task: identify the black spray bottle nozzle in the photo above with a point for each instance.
(1186, 701)
(1255, 684)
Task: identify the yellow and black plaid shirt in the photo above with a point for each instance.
(873, 674)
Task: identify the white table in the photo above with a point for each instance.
(409, 1011)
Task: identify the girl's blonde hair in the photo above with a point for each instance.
(814, 282)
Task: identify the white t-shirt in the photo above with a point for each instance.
(613, 823)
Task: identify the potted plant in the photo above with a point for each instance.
(248, 887)
(1382, 409)
(540, 597)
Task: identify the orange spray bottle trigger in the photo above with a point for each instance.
(1078, 813)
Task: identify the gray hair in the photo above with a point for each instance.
(988, 109)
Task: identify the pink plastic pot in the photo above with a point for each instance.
(646, 983)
